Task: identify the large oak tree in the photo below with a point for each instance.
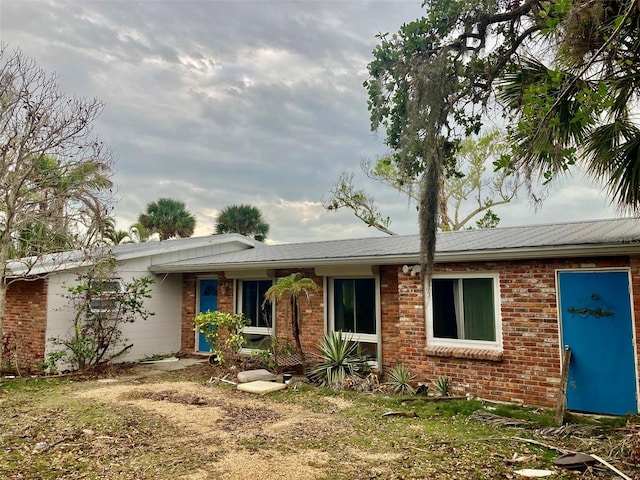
(563, 73)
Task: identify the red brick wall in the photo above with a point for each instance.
(25, 325)
(189, 309)
(526, 371)
(311, 313)
(312, 322)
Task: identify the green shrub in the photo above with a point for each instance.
(340, 359)
(101, 306)
(443, 385)
(279, 347)
(223, 332)
(400, 379)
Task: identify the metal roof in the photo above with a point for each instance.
(578, 239)
(77, 258)
(600, 237)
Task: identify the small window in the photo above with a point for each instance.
(104, 295)
(465, 310)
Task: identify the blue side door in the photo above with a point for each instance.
(208, 300)
(596, 322)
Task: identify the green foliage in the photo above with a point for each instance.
(488, 220)
(223, 332)
(468, 188)
(400, 379)
(99, 313)
(292, 287)
(340, 358)
(279, 347)
(442, 385)
(431, 83)
(167, 217)
(577, 106)
(243, 219)
(345, 195)
(423, 83)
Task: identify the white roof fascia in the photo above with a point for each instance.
(166, 247)
(571, 251)
(63, 261)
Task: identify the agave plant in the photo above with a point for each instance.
(443, 385)
(340, 358)
(400, 378)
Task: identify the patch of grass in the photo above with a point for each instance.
(32, 383)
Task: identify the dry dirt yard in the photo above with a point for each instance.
(180, 426)
(226, 425)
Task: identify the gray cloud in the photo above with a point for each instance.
(224, 102)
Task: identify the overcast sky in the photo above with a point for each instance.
(218, 103)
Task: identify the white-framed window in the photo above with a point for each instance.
(354, 310)
(250, 301)
(104, 295)
(464, 310)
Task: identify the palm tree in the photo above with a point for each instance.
(64, 195)
(291, 288)
(243, 219)
(138, 233)
(581, 108)
(169, 218)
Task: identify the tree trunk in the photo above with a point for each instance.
(295, 326)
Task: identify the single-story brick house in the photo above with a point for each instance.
(501, 307)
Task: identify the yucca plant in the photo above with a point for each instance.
(443, 385)
(400, 379)
(340, 358)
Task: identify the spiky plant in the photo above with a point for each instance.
(400, 378)
(340, 358)
(443, 385)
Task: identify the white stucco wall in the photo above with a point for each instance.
(159, 335)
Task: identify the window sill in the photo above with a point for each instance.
(466, 353)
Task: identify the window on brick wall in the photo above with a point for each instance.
(250, 302)
(355, 311)
(464, 310)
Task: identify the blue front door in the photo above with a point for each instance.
(208, 300)
(595, 312)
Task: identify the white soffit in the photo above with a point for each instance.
(257, 274)
(346, 270)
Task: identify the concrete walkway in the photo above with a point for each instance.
(169, 364)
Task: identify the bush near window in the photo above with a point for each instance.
(96, 334)
(223, 332)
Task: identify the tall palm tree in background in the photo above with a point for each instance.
(67, 209)
(243, 219)
(169, 218)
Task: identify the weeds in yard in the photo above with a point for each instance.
(308, 432)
